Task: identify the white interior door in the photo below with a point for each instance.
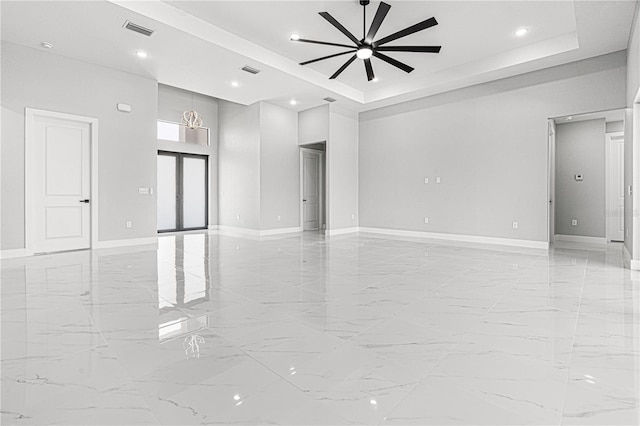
(311, 190)
(615, 187)
(61, 191)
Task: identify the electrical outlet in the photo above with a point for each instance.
(279, 218)
(515, 225)
(129, 225)
(574, 222)
(426, 220)
(353, 216)
(237, 217)
(438, 179)
(426, 180)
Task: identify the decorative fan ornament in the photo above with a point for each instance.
(366, 47)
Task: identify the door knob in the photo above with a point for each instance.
(86, 201)
(304, 199)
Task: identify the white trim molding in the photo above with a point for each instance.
(231, 230)
(544, 245)
(630, 263)
(580, 239)
(244, 232)
(126, 243)
(333, 232)
(13, 253)
(280, 231)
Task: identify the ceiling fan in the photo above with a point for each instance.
(366, 47)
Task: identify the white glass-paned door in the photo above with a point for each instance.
(194, 192)
(167, 195)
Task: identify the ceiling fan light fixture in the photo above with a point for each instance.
(364, 53)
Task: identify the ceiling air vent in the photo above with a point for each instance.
(328, 99)
(250, 70)
(138, 28)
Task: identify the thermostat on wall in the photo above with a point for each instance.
(578, 177)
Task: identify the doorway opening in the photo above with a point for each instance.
(313, 187)
(183, 193)
(586, 177)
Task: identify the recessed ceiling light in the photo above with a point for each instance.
(46, 45)
(141, 54)
(375, 79)
(235, 84)
(293, 102)
(521, 32)
(294, 37)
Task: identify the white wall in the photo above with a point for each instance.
(279, 168)
(313, 125)
(342, 154)
(127, 149)
(488, 143)
(239, 165)
(614, 126)
(172, 103)
(580, 149)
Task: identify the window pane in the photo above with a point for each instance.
(166, 192)
(168, 131)
(193, 192)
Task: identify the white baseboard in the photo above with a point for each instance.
(280, 231)
(238, 231)
(244, 232)
(544, 245)
(126, 243)
(580, 239)
(13, 253)
(332, 232)
(632, 264)
(212, 227)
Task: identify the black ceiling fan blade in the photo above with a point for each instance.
(326, 57)
(403, 67)
(304, 40)
(417, 49)
(339, 26)
(343, 67)
(381, 13)
(369, 68)
(427, 23)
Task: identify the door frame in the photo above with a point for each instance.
(609, 137)
(551, 188)
(321, 188)
(179, 181)
(31, 114)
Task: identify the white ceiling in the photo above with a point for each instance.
(200, 45)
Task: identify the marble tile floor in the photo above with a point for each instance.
(299, 329)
